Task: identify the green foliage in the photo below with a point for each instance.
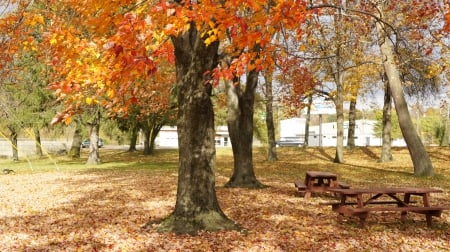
(440, 134)
(429, 124)
(26, 102)
(396, 132)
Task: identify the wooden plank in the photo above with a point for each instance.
(343, 185)
(408, 190)
(300, 185)
(320, 174)
(385, 202)
(362, 213)
(416, 209)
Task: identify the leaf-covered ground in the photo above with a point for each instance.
(71, 207)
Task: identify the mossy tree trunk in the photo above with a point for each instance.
(272, 148)
(14, 143)
(351, 124)
(75, 149)
(196, 205)
(240, 127)
(133, 138)
(94, 153)
(386, 150)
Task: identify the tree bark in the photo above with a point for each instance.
(420, 158)
(133, 139)
(272, 148)
(339, 103)
(153, 135)
(147, 150)
(308, 120)
(74, 151)
(37, 142)
(196, 205)
(351, 124)
(94, 153)
(386, 151)
(240, 128)
(14, 142)
(151, 129)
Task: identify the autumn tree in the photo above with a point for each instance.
(419, 156)
(269, 94)
(387, 14)
(102, 52)
(340, 52)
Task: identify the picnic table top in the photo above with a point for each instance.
(392, 190)
(320, 174)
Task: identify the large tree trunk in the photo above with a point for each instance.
(337, 73)
(14, 142)
(240, 128)
(339, 103)
(37, 142)
(386, 152)
(308, 120)
(133, 138)
(94, 153)
(339, 156)
(351, 124)
(151, 130)
(272, 148)
(74, 151)
(147, 150)
(196, 205)
(420, 158)
(153, 135)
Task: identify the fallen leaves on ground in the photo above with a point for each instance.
(105, 210)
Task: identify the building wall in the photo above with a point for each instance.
(168, 137)
(364, 134)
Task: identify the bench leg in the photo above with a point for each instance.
(307, 195)
(429, 220)
(362, 219)
(403, 216)
(301, 193)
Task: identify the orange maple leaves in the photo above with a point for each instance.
(112, 52)
(447, 21)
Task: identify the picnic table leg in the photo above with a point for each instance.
(362, 218)
(407, 199)
(307, 194)
(429, 220)
(426, 202)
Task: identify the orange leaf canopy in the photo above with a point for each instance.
(118, 52)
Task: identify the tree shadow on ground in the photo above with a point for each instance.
(369, 153)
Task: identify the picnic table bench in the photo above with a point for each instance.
(367, 197)
(318, 181)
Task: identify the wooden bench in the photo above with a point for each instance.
(363, 212)
(301, 187)
(319, 182)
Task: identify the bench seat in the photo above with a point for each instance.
(343, 185)
(362, 213)
(300, 185)
(385, 202)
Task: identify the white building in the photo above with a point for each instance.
(364, 134)
(168, 137)
(326, 133)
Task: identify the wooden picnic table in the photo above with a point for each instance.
(398, 199)
(318, 181)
